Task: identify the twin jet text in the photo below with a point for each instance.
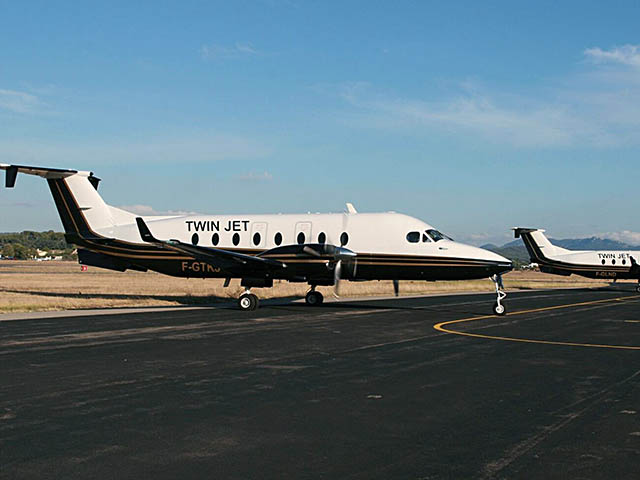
(214, 226)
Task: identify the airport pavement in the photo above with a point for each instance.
(357, 390)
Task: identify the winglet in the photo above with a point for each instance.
(12, 173)
(145, 233)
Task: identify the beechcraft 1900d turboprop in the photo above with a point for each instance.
(611, 264)
(318, 249)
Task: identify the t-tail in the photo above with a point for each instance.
(83, 212)
(540, 249)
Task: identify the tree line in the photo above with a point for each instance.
(23, 245)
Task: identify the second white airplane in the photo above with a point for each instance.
(605, 264)
(318, 249)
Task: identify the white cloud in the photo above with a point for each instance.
(625, 55)
(597, 108)
(256, 177)
(19, 102)
(626, 236)
(214, 52)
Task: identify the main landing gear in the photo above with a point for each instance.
(313, 298)
(498, 307)
(248, 301)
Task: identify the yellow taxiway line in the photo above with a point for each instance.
(441, 326)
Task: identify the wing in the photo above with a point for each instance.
(232, 262)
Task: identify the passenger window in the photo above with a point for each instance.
(236, 238)
(278, 238)
(215, 239)
(300, 238)
(322, 237)
(195, 239)
(256, 238)
(413, 237)
(344, 239)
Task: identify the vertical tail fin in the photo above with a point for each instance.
(538, 245)
(80, 206)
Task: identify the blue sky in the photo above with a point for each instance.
(473, 117)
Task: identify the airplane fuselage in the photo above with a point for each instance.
(387, 246)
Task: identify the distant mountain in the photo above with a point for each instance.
(517, 252)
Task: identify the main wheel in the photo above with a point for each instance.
(255, 300)
(248, 301)
(314, 298)
(499, 309)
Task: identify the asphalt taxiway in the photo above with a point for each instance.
(359, 390)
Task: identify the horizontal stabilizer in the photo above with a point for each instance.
(49, 173)
(517, 231)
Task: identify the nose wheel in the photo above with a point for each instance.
(499, 307)
(248, 301)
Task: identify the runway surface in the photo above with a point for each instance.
(357, 390)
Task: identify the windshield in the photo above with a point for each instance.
(437, 236)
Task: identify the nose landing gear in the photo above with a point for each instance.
(498, 307)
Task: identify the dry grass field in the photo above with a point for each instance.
(40, 286)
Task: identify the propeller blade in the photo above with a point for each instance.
(337, 270)
(396, 287)
(311, 251)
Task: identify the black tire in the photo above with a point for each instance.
(246, 302)
(638, 289)
(255, 300)
(499, 310)
(314, 299)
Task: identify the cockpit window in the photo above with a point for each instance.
(413, 237)
(425, 238)
(437, 236)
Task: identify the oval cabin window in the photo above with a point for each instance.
(301, 238)
(344, 239)
(236, 238)
(322, 237)
(256, 238)
(215, 239)
(278, 238)
(195, 239)
(413, 237)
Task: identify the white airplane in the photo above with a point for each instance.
(610, 264)
(318, 249)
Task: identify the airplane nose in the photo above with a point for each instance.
(496, 264)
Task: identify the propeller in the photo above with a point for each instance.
(337, 271)
(349, 257)
(396, 287)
